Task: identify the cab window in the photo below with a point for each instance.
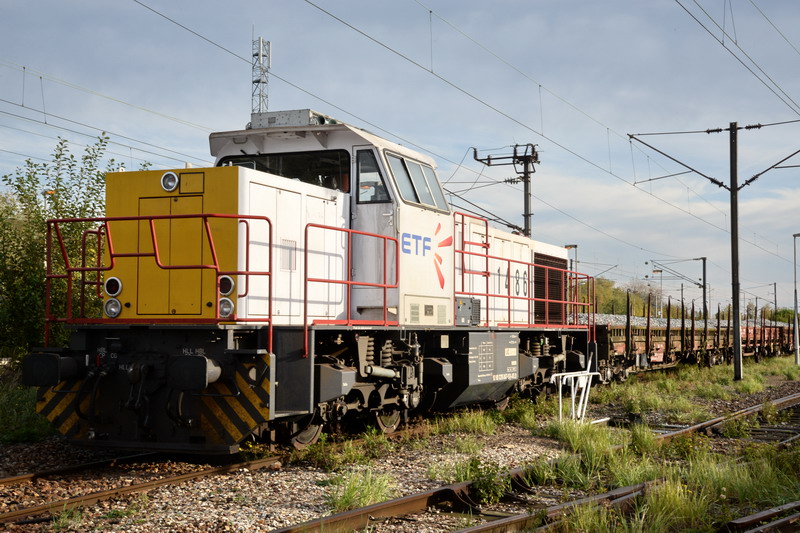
(326, 168)
(418, 178)
(433, 183)
(417, 182)
(371, 188)
(402, 179)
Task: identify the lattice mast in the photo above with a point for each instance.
(262, 61)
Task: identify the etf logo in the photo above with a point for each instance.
(418, 243)
(411, 243)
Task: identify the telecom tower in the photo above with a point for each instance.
(262, 61)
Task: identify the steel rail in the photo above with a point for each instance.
(358, 519)
(95, 497)
(753, 520)
(23, 478)
(616, 497)
(715, 423)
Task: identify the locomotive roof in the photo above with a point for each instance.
(329, 134)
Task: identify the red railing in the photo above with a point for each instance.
(107, 256)
(462, 251)
(550, 296)
(389, 244)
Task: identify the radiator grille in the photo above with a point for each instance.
(551, 285)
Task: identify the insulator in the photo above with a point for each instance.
(386, 354)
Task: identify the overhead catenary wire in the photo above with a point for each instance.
(513, 119)
(579, 156)
(182, 159)
(790, 104)
(549, 91)
(109, 152)
(25, 70)
(275, 75)
(775, 27)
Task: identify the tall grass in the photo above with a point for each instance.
(699, 491)
(333, 456)
(489, 480)
(360, 488)
(19, 421)
(524, 413)
(470, 421)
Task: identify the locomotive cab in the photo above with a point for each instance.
(386, 184)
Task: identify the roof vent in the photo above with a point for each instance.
(282, 119)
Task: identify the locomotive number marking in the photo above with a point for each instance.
(520, 282)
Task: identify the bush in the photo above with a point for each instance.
(62, 188)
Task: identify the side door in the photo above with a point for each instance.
(373, 260)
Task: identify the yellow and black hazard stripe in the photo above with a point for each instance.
(60, 406)
(230, 411)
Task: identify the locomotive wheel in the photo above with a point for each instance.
(306, 432)
(387, 421)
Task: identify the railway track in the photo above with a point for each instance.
(459, 497)
(45, 511)
(53, 472)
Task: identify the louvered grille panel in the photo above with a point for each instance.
(551, 285)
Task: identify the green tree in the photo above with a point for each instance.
(785, 314)
(64, 187)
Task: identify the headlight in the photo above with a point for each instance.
(225, 307)
(113, 286)
(112, 307)
(169, 181)
(225, 285)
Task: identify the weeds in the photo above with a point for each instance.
(376, 444)
(19, 421)
(252, 451)
(739, 428)
(792, 373)
(335, 456)
(139, 503)
(643, 440)
(685, 447)
(626, 468)
(468, 445)
(68, 518)
(477, 422)
(772, 416)
(524, 413)
(713, 391)
(489, 481)
(674, 506)
(359, 489)
(751, 384)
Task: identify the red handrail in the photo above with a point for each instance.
(104, 235)
(348, 282)
(570, 300)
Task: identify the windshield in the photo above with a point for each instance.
(326, 168)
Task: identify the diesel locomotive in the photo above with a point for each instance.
(316, 273)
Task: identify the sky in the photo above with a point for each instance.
(573, 77)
